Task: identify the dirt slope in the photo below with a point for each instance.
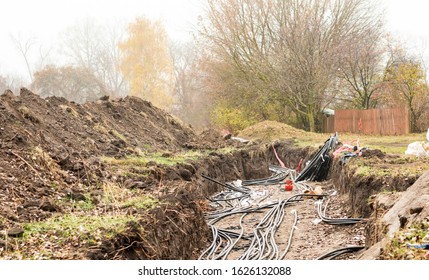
(51, 160)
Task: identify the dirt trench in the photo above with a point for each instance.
(178, 229)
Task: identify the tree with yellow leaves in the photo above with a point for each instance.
(406, 80)
(146, 62)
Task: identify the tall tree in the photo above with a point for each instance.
(362, 68)
(146, 62)
(406, 82)
(278, 59)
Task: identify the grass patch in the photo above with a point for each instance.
(125, 198)
(141, 202)
(398, 249)
(271, 131)
(85, 228)
(85, 205)
(404, 166)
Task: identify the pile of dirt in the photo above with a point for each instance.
(112, 127)
(271, 130)
(51, 159)
(212, 139)
(373, 153)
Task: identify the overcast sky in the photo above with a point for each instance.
(45, 19)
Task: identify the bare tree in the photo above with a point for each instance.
(188, 88)
(35, 55)
(24, 46)
(362, 67)
(95, 47)
(280, 58)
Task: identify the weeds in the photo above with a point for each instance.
(85, 227)
(398, 249)
(125, 198)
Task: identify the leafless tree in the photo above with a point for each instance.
(24, 46)
(35, 55)
(95, 47)
(281, 57)
(362, 67)
(188, 88)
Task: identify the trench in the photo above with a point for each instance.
(180, 230)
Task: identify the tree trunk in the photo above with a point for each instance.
(311, 121)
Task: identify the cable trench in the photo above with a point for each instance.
(240, 198)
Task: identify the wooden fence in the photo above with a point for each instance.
(370, 122)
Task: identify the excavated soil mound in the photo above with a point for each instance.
(52, 168)
(46, 142)
(271, 130)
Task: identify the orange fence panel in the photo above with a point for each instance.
(369, 122)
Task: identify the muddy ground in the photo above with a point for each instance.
(121, 179)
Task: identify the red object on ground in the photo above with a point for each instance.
(288, 186)
(298, 169)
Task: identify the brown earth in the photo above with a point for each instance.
(51, 145)
(51, 166)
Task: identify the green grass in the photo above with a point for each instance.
(388, 144)
(88, 227)
(417, 233)
(271, 131)
(85, 205)
(403, 166)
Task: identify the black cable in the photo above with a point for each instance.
(337, 252)
(339, 221)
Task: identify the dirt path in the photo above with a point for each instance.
(311, 237)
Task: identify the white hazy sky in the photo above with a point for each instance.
(45, 19)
